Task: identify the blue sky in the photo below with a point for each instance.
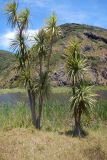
(92, 12)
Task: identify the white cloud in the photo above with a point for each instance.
(6, 38)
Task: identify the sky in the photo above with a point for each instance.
(91, 12)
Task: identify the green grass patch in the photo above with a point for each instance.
(99, 88)
(59, 90)
(54, 90)
(12, 90)
(56, 116)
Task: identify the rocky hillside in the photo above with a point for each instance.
(93, 45)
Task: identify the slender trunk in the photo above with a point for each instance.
(77, 128)
(77, 113)
(73, 85)
(50, 53)
(38, 122)
(32, 106)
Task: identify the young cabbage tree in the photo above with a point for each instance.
(81, 102)
(77, 68)
(75, 64)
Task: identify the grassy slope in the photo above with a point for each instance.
(7, 63)
(29, 144)
(6, 60)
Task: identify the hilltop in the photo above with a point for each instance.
(93, 46)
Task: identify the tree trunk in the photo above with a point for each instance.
(77, 128)
(73, 85)
(50, 53)
(32, 106)
(38, 121)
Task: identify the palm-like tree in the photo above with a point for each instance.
(77, 67)
(53, 32)
(76, 64)
(11, 11)
(83, 99)
(43, 49)
(42, 84)
(20, 22)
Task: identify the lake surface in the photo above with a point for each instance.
(14, 98)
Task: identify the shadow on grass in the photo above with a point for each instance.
(73, 133)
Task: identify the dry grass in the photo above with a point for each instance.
(28, 144)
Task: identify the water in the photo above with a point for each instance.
(14, 98)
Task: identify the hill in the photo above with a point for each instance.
(7, 63)
(93, 45)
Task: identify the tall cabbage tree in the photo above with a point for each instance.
(43, 49)
(42, 85)
(39, 84)
(20, 22)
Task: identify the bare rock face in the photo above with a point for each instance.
(95, 37)
(60, 77)
(106, 57)
(88, 48)
(104, 73)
